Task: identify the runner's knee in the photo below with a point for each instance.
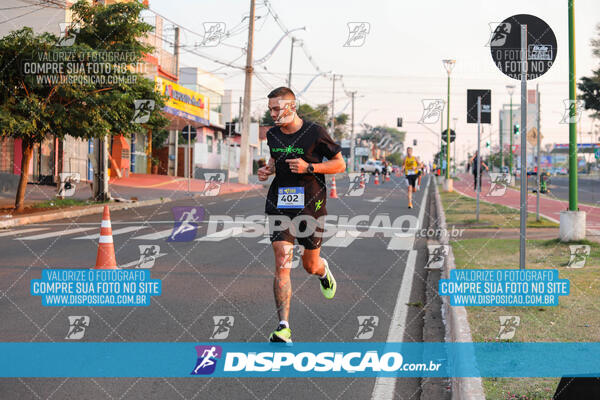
(283, 256)
(312, 263)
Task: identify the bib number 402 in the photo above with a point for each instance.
(289, 198)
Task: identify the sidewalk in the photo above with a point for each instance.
(134, 191)
(549, 208)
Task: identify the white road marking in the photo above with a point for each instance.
(377, 199)
(115, 232)
(384, 387)
(11, 232)
(401, 241)
(342, 239)
(58, 233)
(156, 235)
(222, 235)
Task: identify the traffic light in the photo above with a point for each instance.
(399, 123)
(414, 142)
(516, 129)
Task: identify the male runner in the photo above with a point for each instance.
(420, 167)
(410, 166)
(297, 150)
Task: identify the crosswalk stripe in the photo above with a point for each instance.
(58, 233)
(156, 235)
(342, 239)
(222, 235)
(11, 232)
(115, 232)
(401, 241)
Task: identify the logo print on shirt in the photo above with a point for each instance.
(288, 150)
(318, 205)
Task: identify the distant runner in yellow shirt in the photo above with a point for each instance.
(410, 166)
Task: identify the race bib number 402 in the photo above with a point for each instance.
(290, 197)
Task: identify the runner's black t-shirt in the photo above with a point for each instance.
(312, 143)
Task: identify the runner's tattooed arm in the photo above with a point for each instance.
(333, 166)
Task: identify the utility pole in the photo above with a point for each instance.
(478, 165)
(289, 83)
(176, 52)
(501, 144)
(352, 138)
(539, 171)
(332, 123)
(245, 148)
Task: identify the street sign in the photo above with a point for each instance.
(505, 46)
(597, 154)
(532, 136)
(486, 105)
(445, 134)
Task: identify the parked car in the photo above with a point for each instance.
(372, 166)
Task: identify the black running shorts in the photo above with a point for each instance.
(412, 180)
(309, 235)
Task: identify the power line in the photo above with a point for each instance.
(286, 31)
(27, 13)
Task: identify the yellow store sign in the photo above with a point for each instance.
(183, 102)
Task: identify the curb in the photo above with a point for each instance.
(66, 213)
(457, 324)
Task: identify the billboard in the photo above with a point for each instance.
(183, 102)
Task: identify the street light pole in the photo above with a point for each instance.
(454, 164)
(572, 221)
(448, 65)
(511, 90)
(523, 208)
(572, 113)
(352, 137)
(289, 84)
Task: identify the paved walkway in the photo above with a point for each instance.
(138, 186)
(549, 208)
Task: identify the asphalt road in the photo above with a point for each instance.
(588, 189)
(213, 276)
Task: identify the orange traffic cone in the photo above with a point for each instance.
(362, 180)
(376, 178)
(106, 250)
(333, 193)
(387, 176)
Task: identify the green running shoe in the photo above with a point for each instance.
(328, 284)
(281, 334)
